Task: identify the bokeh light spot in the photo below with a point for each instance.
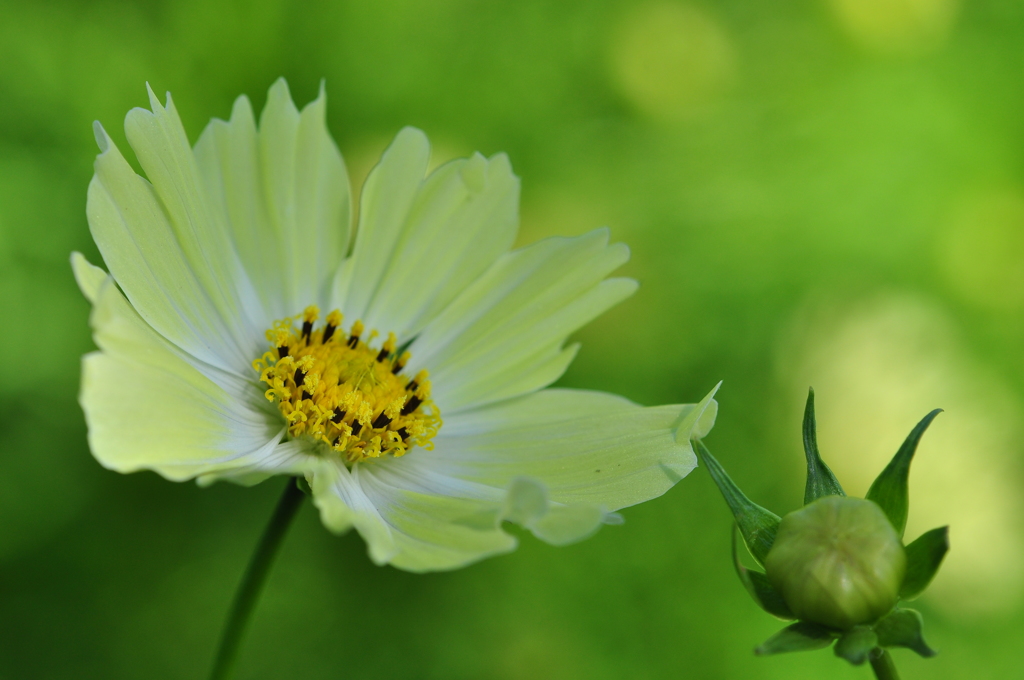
(897, 26)
(672, 61)
(981, 252)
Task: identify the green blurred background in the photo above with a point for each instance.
(825, 192)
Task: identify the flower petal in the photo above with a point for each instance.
(585, 447)
(148, 406)
(386, 200)
(169, 252)
(343, 503)
(463, 217)
(437, 521)
(275, 458)
(503, 337)
(421, 241)
(284, 191)
(88, 276)
(556, 462)
(527, 504)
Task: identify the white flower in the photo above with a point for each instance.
(212, 360)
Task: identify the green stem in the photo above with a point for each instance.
(882, 665)
(252, 582)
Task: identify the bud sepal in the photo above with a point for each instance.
(759, 587)
(801, 636)
(924, 556)
(757, 525)
(820, 480)
(902, 628)
(856, 644)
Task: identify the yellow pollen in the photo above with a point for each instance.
(335, 388)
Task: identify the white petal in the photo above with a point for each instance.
(584, 447)
(527, 504)
(148, 406)
(343, 503)
(169, 252)
(437, 521)
(531, 461)
(421, 240)
(285, 194)
(463, 217)
(385, 202)
(159, 141)
(414, 521)
(504, 336)
(88, 276)
(275, 458)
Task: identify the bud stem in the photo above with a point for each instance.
(882, 665)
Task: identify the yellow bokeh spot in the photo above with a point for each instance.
(338, 390)
(877, 369)
(672, 61)
(981, 251)
(897, 26)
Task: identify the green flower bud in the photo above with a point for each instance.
(837, 562)
(838, 565)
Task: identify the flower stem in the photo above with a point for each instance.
(883, 666)
(252, 582)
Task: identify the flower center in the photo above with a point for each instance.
(341, 391)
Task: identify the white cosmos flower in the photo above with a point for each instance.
(205, 369)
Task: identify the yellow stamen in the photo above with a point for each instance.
(345, 393)
(401, 362)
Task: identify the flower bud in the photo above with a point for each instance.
(837, 562)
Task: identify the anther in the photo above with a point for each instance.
(388, 348)
(333, 321)
(381, 421)
(401, 362)
(339, 415)
(282, 351)
(402, 433)
(357, 330)
(356, 427)
(415, 383)
(311, 314)
(300, 377)
(413, 404)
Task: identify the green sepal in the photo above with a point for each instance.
(820, 480)
(759, 587)
(889, 490)
(902, 628)
(757, 525)
(856, 645)
(923, 559)
(802, 636)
